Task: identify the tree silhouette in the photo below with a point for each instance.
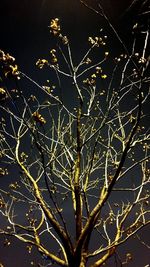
(77, 152)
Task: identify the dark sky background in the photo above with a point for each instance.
(24, 24)
(24, 33)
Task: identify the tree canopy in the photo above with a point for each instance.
(76, 150)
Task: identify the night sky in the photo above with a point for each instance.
(24, 33)
(24, 24)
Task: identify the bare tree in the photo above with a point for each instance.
(77, 151)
